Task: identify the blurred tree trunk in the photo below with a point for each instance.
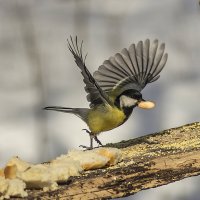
(149, 161)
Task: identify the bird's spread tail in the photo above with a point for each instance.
(80, 112)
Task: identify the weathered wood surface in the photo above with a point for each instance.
(148, 162)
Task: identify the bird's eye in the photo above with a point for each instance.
(137, 96)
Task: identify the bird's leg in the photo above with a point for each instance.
(97, 140)
(91, 140)
(92, 136)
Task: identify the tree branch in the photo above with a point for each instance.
(149, 161)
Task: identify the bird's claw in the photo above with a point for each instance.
(84, 129)
(85, 147)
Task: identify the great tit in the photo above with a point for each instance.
(114, 90)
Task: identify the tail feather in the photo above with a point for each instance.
(60, 109)
(80, 112)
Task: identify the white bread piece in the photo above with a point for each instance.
(10, 171)
(12, 188)
(114, 155)
(47, 175)
(96, 158)
(63, 167)
(146, 104)
(38, 176)
(2, 173)
(20, 164)
(3, 186)
(88, 159)
(14, 165)
(16, 188)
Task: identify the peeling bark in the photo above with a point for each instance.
(149, 161)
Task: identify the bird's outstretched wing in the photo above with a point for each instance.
(133, 68)
(95, 94)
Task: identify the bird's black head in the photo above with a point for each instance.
(128, 99)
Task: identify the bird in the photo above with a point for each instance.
(114, 89)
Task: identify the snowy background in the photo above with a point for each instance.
(37, 70)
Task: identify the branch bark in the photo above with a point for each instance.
(149, 161)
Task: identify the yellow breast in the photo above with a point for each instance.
(104, 118)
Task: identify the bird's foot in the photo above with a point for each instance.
(92, 136)
(85, 147)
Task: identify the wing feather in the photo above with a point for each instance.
(126, 57)
(120, 60)
(117, 65)
(111, 68)
(145, 56)
(95, 93)
(132, 53)
(152, 53)
(139, 56)
(134, 67)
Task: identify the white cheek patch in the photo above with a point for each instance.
(127, 101)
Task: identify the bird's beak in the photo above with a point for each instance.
(146, 104)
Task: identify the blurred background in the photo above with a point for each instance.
(37, 70)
